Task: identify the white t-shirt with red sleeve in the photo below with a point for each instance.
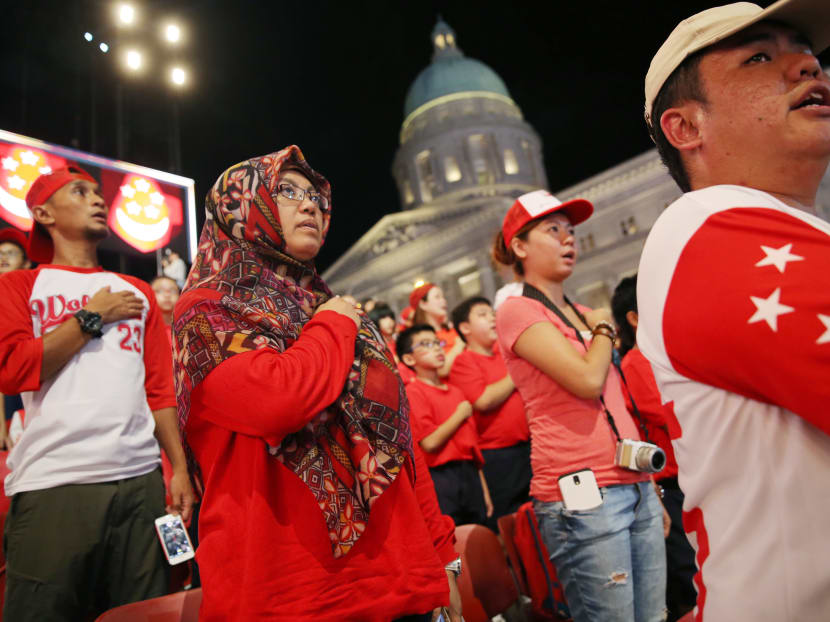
(92, 421)
(734, 316)
(567, 433)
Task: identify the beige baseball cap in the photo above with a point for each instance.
(810, 17)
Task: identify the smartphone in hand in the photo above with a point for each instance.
(174, 539)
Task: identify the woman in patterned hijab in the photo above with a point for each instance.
(294, 417)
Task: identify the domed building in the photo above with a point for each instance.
(462, 134)
(465, 154)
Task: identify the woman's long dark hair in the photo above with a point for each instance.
(623, 301)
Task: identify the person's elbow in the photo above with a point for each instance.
(588, 388)
(429, 445)
(483, 404)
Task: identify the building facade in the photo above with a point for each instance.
(465, 154)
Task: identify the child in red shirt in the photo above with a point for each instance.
(499, 413)
(440, 420)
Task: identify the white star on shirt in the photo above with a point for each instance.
(778, 257)
(151, 211)
(768, 309)
(825, 337)
(10, 164)
(133, 208)
(157, 198)
(16, 182)
(29, 157)
(45, 170)
(128, 191)
(141, 185)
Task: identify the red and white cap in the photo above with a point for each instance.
(540, 203)
(41, 248)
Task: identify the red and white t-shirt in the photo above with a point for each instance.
(92, 421)
(430, 407)
(567, 433)
(503, 426)
(734, 303)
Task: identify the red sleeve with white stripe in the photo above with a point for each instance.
(748, 310)
(21, 354)
(158, 356)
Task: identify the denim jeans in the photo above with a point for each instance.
(611, 560)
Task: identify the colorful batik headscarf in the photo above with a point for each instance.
(254, 295)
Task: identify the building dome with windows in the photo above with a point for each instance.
(462, 134)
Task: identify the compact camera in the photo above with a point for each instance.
(640, 456)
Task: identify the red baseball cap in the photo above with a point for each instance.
(540, 203)
(419, 293)
(41, 248)
(10, 234)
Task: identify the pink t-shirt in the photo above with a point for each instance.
(567, 433)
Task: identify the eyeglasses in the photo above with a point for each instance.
(292, 193)
(427, 344)
(12, 253)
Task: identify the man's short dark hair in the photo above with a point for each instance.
(404, 344)
(462, 312)
(623, 301)
(379, 312)
(683, 84)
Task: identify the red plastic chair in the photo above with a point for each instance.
(486, 586)
(178, 607)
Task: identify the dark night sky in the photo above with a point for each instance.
(332, 77)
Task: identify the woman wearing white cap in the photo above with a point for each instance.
(600, 522)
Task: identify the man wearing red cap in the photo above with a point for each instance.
(734, 302)
(87, 350)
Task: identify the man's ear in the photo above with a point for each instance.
(681, 125)
(42, 214)
(410, 361)
(464, 328)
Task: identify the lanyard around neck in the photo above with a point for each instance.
(533, 293)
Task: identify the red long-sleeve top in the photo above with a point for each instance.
(264, 551)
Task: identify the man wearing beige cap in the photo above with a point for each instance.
(734, 302)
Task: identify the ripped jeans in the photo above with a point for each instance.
(611, 560)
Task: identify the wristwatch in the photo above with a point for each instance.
(91, 323)
(454, 566)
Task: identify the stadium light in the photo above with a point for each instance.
(134, 60)
(172, 33)
(104, 47)
(178, 76)
(88, 36)
(126, 14)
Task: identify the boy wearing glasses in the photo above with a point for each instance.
(441, 424)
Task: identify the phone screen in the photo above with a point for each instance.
(174, 537)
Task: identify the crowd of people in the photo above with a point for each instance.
(674, 448)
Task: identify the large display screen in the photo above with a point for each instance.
(149, 209)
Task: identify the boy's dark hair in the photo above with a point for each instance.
(623, 301)
(462, 312)
(164, 277)
(682, 85)
(405, 338)
(379, 312)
